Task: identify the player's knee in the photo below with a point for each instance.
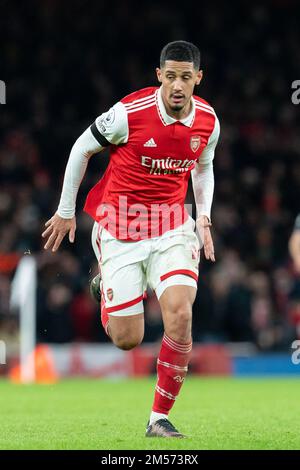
(127, 342)
(182, 314)
(183, 325)
(179, 323)
(127, 332)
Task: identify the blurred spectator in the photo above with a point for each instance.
(55, 323)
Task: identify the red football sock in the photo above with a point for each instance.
(172, 366)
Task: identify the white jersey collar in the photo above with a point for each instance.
(166, 119)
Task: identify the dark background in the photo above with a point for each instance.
(64, 63)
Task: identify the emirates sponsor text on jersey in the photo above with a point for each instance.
(166, 166)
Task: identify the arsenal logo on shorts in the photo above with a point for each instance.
(110, 294)
(195, 142)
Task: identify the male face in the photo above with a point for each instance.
(178, 81)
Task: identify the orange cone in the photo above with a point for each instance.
(45, 372)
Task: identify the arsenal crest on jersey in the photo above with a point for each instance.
(110, 294)
(195, 142)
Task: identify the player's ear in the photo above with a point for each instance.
(159, 75)
(199, 77)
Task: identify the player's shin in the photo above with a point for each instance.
(172, 366)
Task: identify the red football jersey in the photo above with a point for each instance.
(143, 189)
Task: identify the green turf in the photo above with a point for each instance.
(98, 414)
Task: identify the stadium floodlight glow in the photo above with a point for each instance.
(2, 92)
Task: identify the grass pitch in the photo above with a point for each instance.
(100, 414)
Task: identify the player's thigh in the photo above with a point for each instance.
(174, 262)
(123, 293)
(173, 273)
(177, 297)
(122, 286)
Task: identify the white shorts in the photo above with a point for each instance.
(128, 268)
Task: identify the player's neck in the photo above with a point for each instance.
(180, 114)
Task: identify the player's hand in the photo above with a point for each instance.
(57, 228)
(203, 226)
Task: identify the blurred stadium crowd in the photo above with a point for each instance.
(63, 64)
